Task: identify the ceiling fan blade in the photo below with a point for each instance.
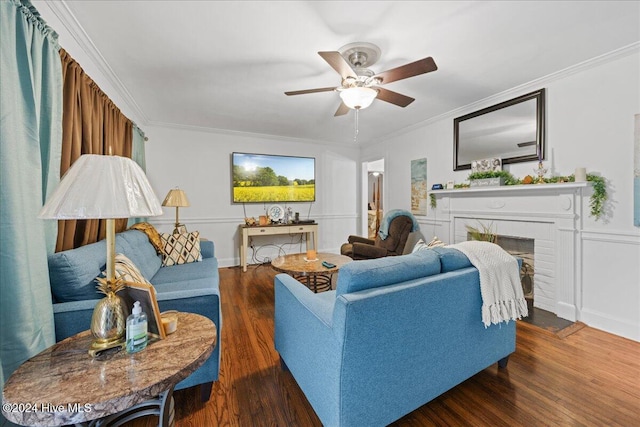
(338, 63)
(394, 97)
(342, 110)
(421, 66)
(302, 92)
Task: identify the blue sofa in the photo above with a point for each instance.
(396, 333)
(192, 287)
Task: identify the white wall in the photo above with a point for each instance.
(199, 162)
(590, 113)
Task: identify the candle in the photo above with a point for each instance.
(539, 156)
(581, 175)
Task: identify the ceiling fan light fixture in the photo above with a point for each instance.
(358, 98)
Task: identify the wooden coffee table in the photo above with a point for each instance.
(311, 273)
(64, 385)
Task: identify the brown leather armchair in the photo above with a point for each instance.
(363, 248)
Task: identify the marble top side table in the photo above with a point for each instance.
(64, 385)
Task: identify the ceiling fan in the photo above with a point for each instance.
(360, 86)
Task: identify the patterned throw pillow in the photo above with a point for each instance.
(180, 248)
(126, 270)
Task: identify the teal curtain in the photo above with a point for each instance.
(30, 147)
(138, 156)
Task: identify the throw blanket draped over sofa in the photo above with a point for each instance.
(396, 333)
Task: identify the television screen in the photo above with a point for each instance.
(261, 178)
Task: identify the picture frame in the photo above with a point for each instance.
(419, 186)
(146, 294)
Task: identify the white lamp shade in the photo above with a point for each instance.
(358, 97)
(98, 186)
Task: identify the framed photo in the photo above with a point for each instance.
(493, 164)
(146, 294)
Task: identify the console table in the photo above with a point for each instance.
(311, 231)
(64, 385)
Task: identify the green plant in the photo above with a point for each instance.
(508, 178)
(484, 233)
(432, 201)
(599, 196)
(596, 202)
(597, 199)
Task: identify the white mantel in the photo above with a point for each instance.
(550, 214)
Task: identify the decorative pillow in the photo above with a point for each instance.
(180, 248)
(127, 270)
(152, 234)
(434, 243)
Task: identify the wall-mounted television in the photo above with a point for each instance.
(267, 178)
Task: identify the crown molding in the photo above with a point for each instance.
(75, 29)
(220, 131)
(517, 90)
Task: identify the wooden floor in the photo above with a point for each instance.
(590, 378)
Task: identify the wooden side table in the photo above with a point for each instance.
(312, 273)
(311, 231)
(63, 385)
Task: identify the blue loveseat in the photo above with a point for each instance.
(192, 287)
(396, 333)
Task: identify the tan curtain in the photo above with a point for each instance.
(91, 124)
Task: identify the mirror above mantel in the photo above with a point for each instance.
(512, 131)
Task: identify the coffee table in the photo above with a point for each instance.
(311, 273)
(64, 385)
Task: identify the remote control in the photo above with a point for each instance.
(328, 264)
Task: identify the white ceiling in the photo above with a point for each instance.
(225, 65)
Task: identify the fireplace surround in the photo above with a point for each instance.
(549, 214)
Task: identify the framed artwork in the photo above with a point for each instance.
(146, 294)
(493, 164)
(419, 186)
(636, 172)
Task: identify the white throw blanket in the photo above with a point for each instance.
(500, 287)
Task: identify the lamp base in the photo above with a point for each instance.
(179, 229)
(98, 346)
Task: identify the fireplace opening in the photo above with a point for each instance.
(523, 248)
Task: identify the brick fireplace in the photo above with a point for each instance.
(549, 215)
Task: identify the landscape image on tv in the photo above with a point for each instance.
(261, 178)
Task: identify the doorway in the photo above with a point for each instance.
(373, 197)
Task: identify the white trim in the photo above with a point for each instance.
(557, 187)
(607, 322)
(614, 236)
(220, 131)
(238, 220)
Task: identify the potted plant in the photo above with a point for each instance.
(491, 179)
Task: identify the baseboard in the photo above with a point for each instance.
(610, 324)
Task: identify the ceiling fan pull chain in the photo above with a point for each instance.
(355, 135)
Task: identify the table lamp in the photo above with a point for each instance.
(104, 187)
(176, 198)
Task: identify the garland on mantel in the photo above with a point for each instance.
(596, 202)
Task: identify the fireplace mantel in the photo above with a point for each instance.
(550, 214)
(529, 188)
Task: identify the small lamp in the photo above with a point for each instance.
(104, 187)
(176, 198)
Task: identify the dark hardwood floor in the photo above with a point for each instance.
(589, 378)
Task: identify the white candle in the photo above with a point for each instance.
(581, 174)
